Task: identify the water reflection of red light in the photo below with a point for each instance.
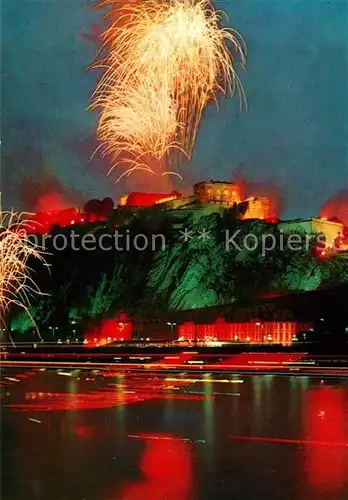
(86, 431)
(103, 397)
(325, 420)
(166, 465)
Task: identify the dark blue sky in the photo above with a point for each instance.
(295, 132)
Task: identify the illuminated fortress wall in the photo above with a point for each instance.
(226, 193)
(259, 208)
(208, 197)
(331, 230)
(148, 199)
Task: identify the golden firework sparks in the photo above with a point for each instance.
(16, 250)
(165, 61)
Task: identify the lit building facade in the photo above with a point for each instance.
(271, 332)
(225, 193)
(313, 226)
(259, 208)
(118, 329)
(211, 193)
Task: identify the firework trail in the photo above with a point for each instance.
(16, 284)
(164, 62)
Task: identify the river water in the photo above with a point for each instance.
(88, 436)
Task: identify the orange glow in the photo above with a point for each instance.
(43, 222)
(260, 208)
(164, 200)
(93, 211)
(336, 207)
(53, 201)
(123, 200)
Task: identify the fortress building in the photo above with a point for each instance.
(224, 193)
(207, 197)
(148, 199)
(314, 226)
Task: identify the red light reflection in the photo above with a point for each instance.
(166, 465)
(325, 420)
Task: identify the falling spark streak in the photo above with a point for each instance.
(172, 173)
(35, 420)
(164, 62)
(289, 441)
(16, 248)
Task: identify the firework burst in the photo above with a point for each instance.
(164, 62)
(16, 249)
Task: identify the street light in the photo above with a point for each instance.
(171, 326)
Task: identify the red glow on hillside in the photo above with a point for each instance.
(336, 207)
(149, 199)
(44, 222)
(272, 220)
(60, 216)
(46, 193)
(49, 202)
(255, 189)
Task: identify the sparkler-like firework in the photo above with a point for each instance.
(16, 283)
(165, 60)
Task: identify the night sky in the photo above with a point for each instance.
(294, 133)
